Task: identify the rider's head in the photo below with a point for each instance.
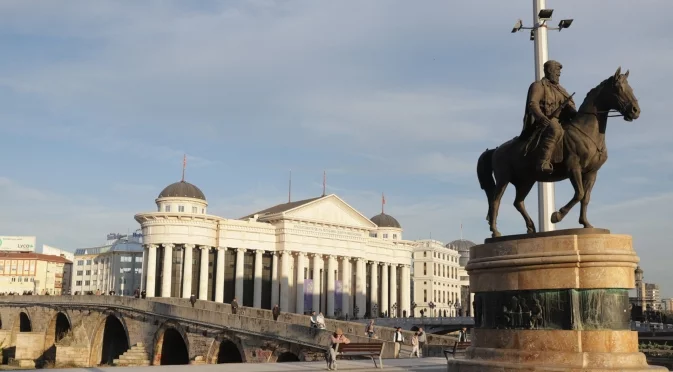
(552, 71)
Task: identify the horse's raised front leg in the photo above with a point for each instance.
(576, 180)
(589, 180)
(500, 187)
(522, 190)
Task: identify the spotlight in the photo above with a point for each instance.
(545, 14)
(565, 23)
(517, 26)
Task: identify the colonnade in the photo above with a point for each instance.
(290, 272)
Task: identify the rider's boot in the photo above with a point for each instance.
(546, 149)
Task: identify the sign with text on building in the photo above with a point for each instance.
(17, 243)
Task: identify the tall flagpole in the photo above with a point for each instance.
(289, 189)
(184, 165)
(383, 201)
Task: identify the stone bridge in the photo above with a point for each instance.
(86, 331)
(437, 326)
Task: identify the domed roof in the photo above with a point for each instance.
(385, 220)
(182, 189)
(461, 245)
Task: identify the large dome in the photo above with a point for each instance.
(463, 247)
(384, 220)
(182, 189)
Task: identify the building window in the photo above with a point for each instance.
(79, 283)
(425, 254)
(79, 272)
(139, 258)
(394, 236)
(87, 283)
(425, 295)
(181, 208)
(195, 210)
(80, 263)
(88, 262)
(372, 235)
(203, 210)
(94, 282)
(425, 269)
(385, 236)
(167, 208)
(125, 259)
(95, 272)
(88, 272)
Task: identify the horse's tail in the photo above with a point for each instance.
(485, 175)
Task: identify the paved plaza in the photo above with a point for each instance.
(411, 364)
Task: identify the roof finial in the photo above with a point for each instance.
(289, 190)
(324, 182)
(383, 201)
(184, 165)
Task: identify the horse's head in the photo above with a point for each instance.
(621, 97)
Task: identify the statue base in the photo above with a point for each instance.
(553, 302)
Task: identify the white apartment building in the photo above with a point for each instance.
(32, 272)
(436, 279)
(115, 266)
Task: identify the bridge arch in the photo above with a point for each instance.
(287, 356)
(110, 339)
(59, 326)
(229, 352)
(171, 345)
(23, 323)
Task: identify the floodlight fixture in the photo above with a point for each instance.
(532, 35)
(517, 26)
(565, 23)
(545, 14)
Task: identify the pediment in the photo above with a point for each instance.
(332, 210)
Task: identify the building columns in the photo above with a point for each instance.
(374, 289)
(187, 271)
(257, 297)
(151, 270)
(346, 283)
(143, 271)
(393, 292)
(240, 252)
(167, 273)
(284, 280)
(360, 287)
(274, 279)
(317, 260)
(405, 290)
(331, 268)
(219, 275)
(301, 264)
(385, 304)
(203, 273)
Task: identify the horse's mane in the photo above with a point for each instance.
(597, 89)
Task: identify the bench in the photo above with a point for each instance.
(458, 347)
(369, 349)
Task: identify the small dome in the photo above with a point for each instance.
(461, 245)
(182, 189)
(384, 220)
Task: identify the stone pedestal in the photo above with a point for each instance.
(555, 301)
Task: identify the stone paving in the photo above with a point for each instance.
(409, 364)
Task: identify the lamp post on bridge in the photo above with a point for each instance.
(538, 34)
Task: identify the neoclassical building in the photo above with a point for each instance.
(316, 254)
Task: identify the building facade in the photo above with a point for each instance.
(22, 272)
(436, 279)
(466, 296)
(318, 254)
(115, 266)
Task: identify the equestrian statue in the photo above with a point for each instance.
(557, 142)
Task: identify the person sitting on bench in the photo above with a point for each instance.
(337, 338)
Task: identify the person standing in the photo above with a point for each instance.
(422, 339)
(234, 306)
(276, 312)
(414, 346)
(398, 339)
(462, 336)
(370, 329)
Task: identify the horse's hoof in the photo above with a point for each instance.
(496, 234)
(556, 217)
(587, 225)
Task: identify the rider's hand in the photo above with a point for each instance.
(545, 122)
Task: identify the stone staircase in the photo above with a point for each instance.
(136, 356)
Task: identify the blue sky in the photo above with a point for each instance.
(99, 100)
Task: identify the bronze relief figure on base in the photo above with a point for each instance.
(556, 143)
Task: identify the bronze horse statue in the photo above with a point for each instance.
(584, 152)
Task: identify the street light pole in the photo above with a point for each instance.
(545, 190)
